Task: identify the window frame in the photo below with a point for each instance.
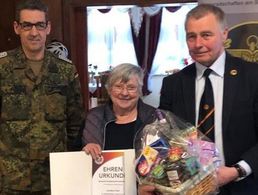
(75, 31)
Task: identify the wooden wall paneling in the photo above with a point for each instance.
(80, 56)
(74, 23)
(8, 39)
(75, 39)
(55, 17)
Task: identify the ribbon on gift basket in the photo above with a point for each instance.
(176, 157)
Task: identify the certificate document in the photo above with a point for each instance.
(77, 173)
(108, 174)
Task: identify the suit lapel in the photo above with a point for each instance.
(189, 93)
(231, 77)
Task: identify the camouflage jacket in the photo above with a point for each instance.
(39, 114)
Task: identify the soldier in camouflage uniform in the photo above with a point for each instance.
(41, 106)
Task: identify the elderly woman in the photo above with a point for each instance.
(114, 125)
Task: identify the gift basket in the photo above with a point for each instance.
(175, 157)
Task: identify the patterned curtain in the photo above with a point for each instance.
(145, 32)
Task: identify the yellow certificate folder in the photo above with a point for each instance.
(77, 173)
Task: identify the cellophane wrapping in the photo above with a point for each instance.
(175, 157)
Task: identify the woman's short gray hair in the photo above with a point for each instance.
(124, 72)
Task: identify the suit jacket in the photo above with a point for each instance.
(239, 115)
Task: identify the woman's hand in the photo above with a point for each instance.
(93, 149)
(146, 190)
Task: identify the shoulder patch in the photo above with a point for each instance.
(65, 59)
(3, 54)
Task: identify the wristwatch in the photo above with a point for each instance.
(241, 171)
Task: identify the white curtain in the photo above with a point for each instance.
(109, 38)
(172, 49)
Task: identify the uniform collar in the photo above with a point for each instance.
(20, 57)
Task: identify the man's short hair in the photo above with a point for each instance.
(204, 9)
(30, 5)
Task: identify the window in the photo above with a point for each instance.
(110, 39)
(172, 52)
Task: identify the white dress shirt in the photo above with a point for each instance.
(217, 80)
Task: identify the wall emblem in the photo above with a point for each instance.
(243, 41)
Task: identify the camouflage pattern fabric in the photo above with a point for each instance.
(39, 114)
(17, 192)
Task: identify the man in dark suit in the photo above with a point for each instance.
(235, 89)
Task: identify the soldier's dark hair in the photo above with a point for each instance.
(30, 5)
(205, 9)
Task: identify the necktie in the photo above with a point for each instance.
(206, 110)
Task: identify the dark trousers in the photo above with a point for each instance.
(247, 186)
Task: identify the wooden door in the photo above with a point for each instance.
(8, 39)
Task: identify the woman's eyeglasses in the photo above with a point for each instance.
(128, 88)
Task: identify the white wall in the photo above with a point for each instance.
(155, 86)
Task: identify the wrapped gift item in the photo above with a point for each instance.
(175, 157)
